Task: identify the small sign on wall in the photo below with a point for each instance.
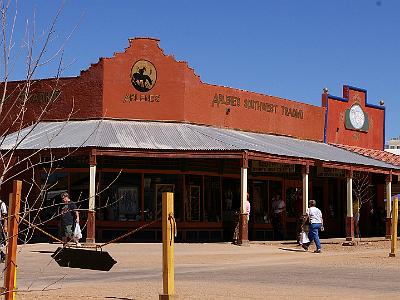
(269, 167)
(329, 172)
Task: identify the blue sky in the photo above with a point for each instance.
(286, 48)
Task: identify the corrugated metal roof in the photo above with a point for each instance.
(175, 136)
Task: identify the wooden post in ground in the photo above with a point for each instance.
(305, 175)
(243, 217)
(91, 223)
(10, 277)
(168, 233)
(349, 208)
(394, 227)
(388, 233)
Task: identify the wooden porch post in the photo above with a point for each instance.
(306, 171)
(11, 258)
(168, 237)
(388, 206)
(243, 222)
(91, 223)
(395, 216)
(349, 211)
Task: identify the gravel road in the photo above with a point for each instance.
(218, 271)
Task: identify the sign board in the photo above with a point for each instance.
(268, 167)
(329, 172)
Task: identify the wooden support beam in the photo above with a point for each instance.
(388, 206)
(349, 208)
(305, 172)
(91, 225)
(243, 218)
(168, 235)
(394, 227)
(11, 259)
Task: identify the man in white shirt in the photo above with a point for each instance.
(278, 217)
(248, 207)
(3, 230)
(316, 224)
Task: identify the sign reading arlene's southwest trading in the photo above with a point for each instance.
(251, 104)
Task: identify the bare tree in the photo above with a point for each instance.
(362, 194)
(20, 107)
(24, 105)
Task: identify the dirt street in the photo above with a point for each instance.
(218, 271)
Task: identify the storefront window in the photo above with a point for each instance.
(154, 186)
(333, 196)
(294, 201)
(79, 190)
(212, 199)
(278, 209)
(318, 196)
(52, 185)
(275, 196)
(231, 199)
(119, 197)
(193, 198)
(259, 203)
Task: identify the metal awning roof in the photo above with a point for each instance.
(146, 135)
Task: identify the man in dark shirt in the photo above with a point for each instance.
(68, 211)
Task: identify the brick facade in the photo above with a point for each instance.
(105, 90)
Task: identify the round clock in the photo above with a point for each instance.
(357, 116)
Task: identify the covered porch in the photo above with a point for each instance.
(117, 170)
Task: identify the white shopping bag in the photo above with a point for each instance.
(77, 232)
(304, 238)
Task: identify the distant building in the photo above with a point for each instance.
(393, 145)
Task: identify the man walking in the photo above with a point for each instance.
(68, 212)
(3, 230)
(316, 224)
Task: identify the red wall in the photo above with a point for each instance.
(336, 131)
(249, 111)
(166, 101)
(80, 98)
(106, 90)
(183, 97)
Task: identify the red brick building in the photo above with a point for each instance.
(140, 123)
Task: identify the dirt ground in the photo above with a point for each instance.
(219, 271)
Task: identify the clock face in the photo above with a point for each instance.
(357, 116)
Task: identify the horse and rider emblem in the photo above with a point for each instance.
(143, 75)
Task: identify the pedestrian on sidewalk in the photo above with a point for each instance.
(69, 218)
(316, 224)
(3, 230)
(278, 217)
(237, 221)
(248, 207)
(302, 230)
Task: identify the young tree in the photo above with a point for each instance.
(19, 104)
(23, 104)
(362, 194)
